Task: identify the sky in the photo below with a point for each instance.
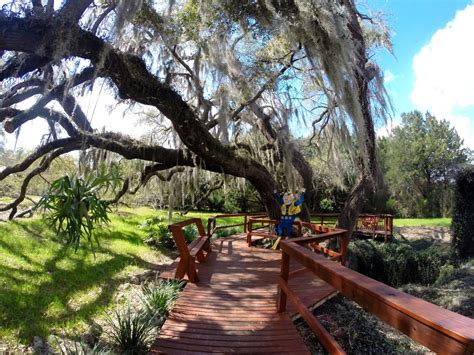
(431, 69)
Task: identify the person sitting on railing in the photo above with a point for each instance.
(290, 208)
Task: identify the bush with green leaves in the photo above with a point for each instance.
(462, 224)
(131, 332)
(74, 206)
(227, 231)
(160, 298)
(397, 263)
(159, 234)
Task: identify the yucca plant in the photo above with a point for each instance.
(131, 331)
(74, 206)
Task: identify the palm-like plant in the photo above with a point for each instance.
(75, 206)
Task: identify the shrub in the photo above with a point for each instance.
(397, 263)
(160, 299)
(131, 332)
(190, 233)
(157, 232)
(462, 224)
(226, 232)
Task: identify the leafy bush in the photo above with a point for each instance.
(190, 233)
(226, 232)
(131, 332)
(75, 208)
(462, 224)
(160, 299)
(158, 232)
(397, 263)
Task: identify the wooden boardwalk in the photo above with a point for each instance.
(233, 307)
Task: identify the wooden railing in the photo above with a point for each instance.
(259, 231)
(438, 329)
(212, 226)
(373, 224)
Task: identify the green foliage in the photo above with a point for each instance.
(159, 234)
(463, 217)
(227, 231)
(160, 299)
(418, 161)
(130, 331)
(397, 263)
(75, 208)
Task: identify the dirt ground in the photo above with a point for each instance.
(435, 234)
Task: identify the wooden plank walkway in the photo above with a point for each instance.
(233, 307)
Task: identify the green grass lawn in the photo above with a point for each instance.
(46, 288)
(422, 222)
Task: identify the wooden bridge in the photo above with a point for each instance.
(239, 304)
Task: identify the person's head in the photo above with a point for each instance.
(288, 198)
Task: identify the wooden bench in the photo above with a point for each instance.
(189, 253)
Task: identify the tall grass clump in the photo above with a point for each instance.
(131, 332)
(159, 299)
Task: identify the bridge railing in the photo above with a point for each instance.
(438, 329)
(213, 226)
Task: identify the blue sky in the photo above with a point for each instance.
(438, 33)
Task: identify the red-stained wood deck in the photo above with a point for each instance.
(232, 309)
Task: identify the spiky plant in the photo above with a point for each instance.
(130, 331)
(160, 299)
(74, 206)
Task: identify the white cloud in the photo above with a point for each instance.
(444, 74)
(388, 77)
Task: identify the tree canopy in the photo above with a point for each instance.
(419, 159)
(224, 84)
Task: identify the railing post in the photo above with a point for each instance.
(245, 224)
(249, 233)
(209, 226)
(284, 275)
(343, 245)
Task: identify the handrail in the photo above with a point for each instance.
(251, 231)
(437, 328)
(212, 221)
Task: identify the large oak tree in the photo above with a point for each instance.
(216, 72)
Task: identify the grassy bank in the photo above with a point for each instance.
(422, 222)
